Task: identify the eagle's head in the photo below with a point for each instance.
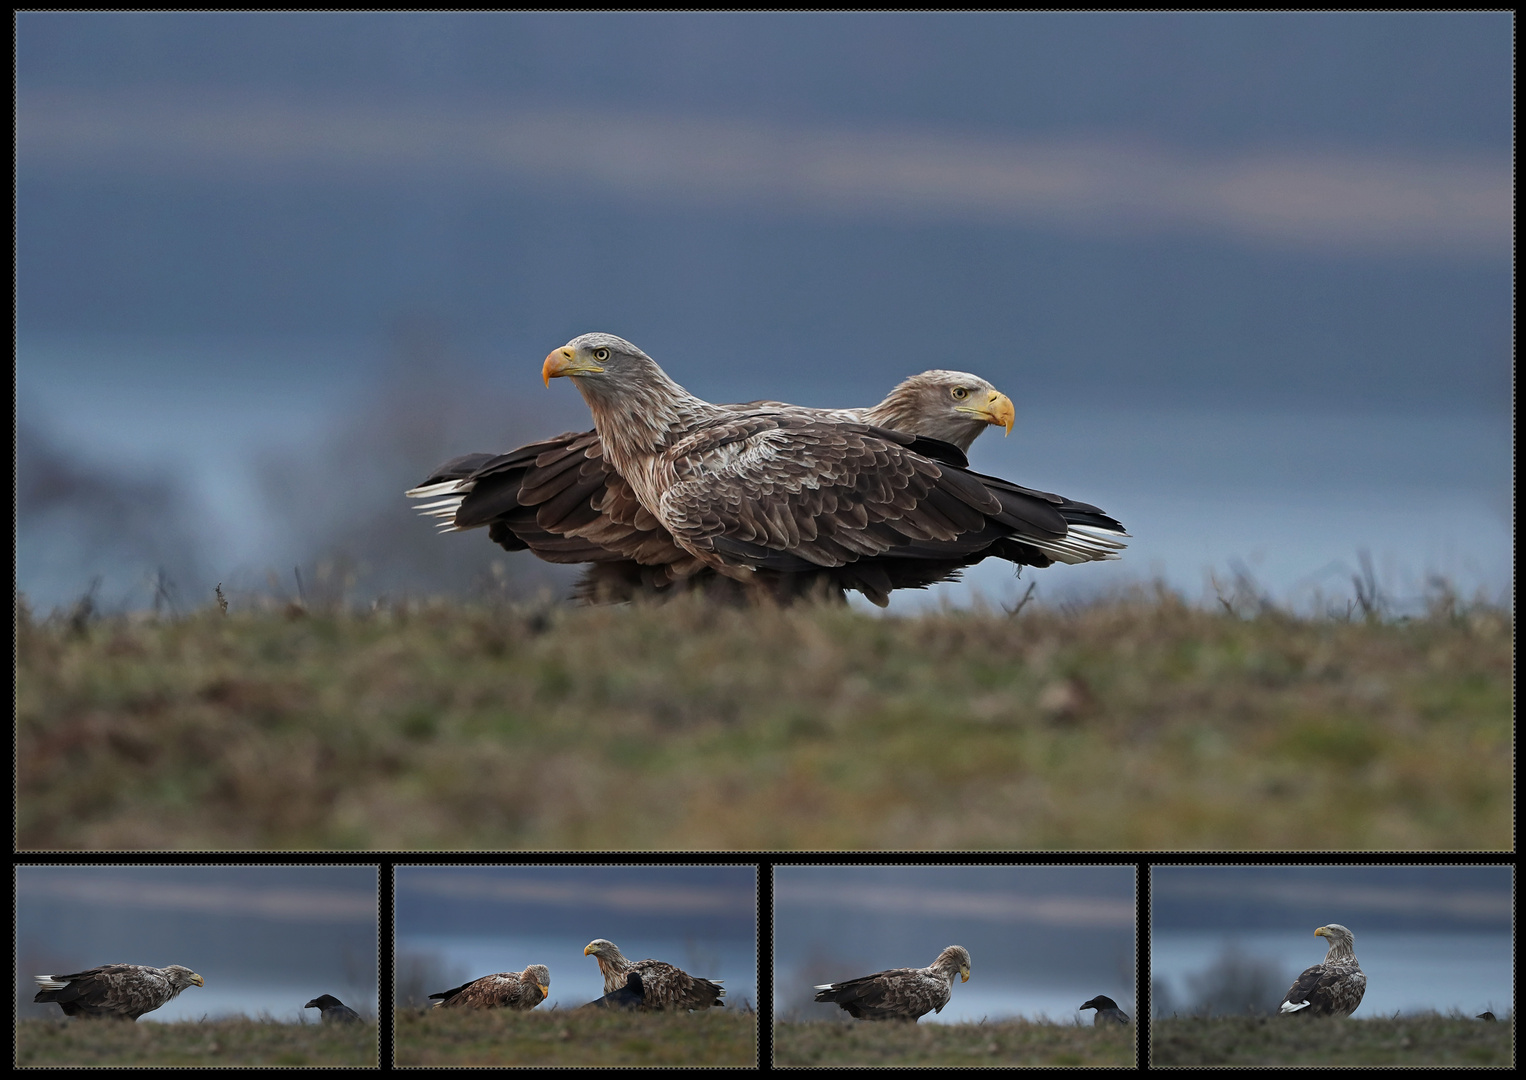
(181, 977)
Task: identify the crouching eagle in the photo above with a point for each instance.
(521, 990)
(901, 993)
(125, 991)
(663, 986)
(1333, 988)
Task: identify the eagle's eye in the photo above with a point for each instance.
(960, 393)
(601, 355)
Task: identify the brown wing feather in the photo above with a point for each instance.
(769, 490)
(667, 987)
(897, 994)
(561, 499)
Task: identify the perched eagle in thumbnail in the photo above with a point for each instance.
(781, 500)
(333, 1010)
(521, 990)
(901, 993)
(663, 986)
(1331, 988)
(1108, 1011)
(629, 996)
(126, 991)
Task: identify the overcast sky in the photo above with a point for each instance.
(1247, 276)
(261, 937)
(1037, 935)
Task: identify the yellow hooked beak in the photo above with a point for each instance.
(964, 972)
(589, 950)
(996, 409)
(545, 991)
(567, 361)
(197, 980)
(1321, 932)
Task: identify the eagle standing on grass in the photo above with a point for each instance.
(562, 499)
(774, 496)
(333, 1010)
(901, 993)
(1108, 1011)
(663, 986)
(629, 996)
(1332, 988)
(522, 990)
(124, 991)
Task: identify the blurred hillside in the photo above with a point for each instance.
(231, 226)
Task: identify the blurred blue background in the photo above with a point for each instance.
(267, 939)
(1247, 277)
(457, 923)
(1429, 938)
(1042, 939)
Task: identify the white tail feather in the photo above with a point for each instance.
(1082, 543)
(49, 982)
(1290, 1007)
(444, 487)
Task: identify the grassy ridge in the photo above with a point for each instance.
(574, 1037)
(1135, 724)
(239, 1041)
(1009, 1042)
(1277, 1040)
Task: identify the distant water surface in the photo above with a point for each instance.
(1406, 972)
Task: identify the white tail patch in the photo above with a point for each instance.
(1290, 1007)
(1082, 543)
(448, 496)
(444, 487)
(48, 982)
(824, 986)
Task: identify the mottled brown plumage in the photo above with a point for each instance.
(521, 990)
(663, 986)
(900, 993)
(1334, 987)
(562, 499)
(122, 991)
(786, 495)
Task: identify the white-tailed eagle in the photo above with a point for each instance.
(521, 990)
(1331, 988)
(562, 499)
(126, 991)
(794, 495)
(900, 993)
(663, 986)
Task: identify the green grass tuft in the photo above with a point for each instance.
(1006, 1042)
(1280, 1040)
(238, 1041)
(575, 1037)
(1133, 724)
